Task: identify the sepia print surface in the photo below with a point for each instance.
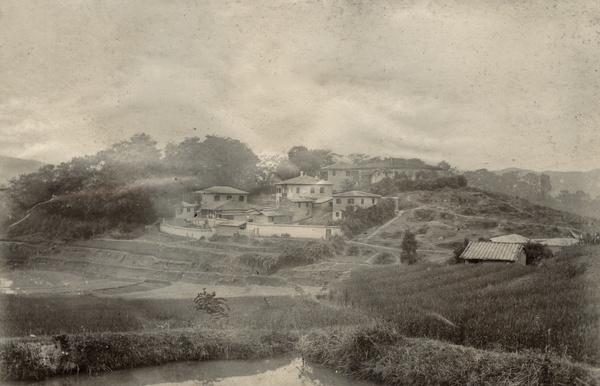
(299, 192)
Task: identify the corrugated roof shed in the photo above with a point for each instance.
(485, 250)
(513, 238)
(357, 193)
(221, 190)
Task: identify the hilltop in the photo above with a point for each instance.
(442, 219)
(11, 167)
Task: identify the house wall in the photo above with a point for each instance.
(185, 212)
(300, 231)
(336, 213)
(262, 219)
(296, 191)
(229, 231)
(323, 208)
(340, 178)
(301, 210)
(210, 198)
(194, 233)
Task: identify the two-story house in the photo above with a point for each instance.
(345, 176)
(219, 194)
(355, 198)
(300, 193)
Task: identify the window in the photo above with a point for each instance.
(350, 201)
(229, 197)
(337, 214)
(348, 173)
(217, 197)
(362, 200)
(188, 210)
(373, 201)
(270, 219)
(297, 190)
(307, 204)
(299, 205)
(278, 190)
(312, 190)
(241, 198)
(338, 200)
(321, 190)
(333, 173)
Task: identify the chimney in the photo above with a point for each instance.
(301, 173)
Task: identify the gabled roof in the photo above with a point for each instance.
(232, 205)
(356, 193)
(273, 213)
(399, 163)
(339, 166)
(304, 180)
(513, 238)
(221, 190)
(485, 250)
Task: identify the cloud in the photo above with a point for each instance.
(479, 84)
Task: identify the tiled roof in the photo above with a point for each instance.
(304, 180)
(485, 250)
(399, 163)
(229, 205)
(356, 193)
(221, 190)
(514, 238)
(339, 166)
(323, 199)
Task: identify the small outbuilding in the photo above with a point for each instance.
(485, 251)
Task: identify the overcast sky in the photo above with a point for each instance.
(481, 84)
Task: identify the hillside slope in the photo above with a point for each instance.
(442, 219)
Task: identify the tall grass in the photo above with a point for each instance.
(505, 307)
(378, 353)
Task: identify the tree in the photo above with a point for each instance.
(409, 248)
(310, 161)
(214, 161)
(458, 251)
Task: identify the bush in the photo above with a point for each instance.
(536, 252)
(358, 220)
(409, 248)
(353, 250)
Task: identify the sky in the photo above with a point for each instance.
(480, 84)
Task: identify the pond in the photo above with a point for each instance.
(271, 372)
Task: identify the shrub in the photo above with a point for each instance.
(536, 252)
(358, 220)
(409, 248)
(353, 250)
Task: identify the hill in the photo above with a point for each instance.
(588, 182)
(11, 167)
(443, 219)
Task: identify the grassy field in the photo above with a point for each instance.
(56, 314)
(500, 307)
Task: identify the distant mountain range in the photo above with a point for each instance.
(589, 182)
(12, 167)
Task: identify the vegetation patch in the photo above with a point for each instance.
(477, 305)
(378, 353)
(38, 358)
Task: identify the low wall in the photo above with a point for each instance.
(301, 231)
(194, 233)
